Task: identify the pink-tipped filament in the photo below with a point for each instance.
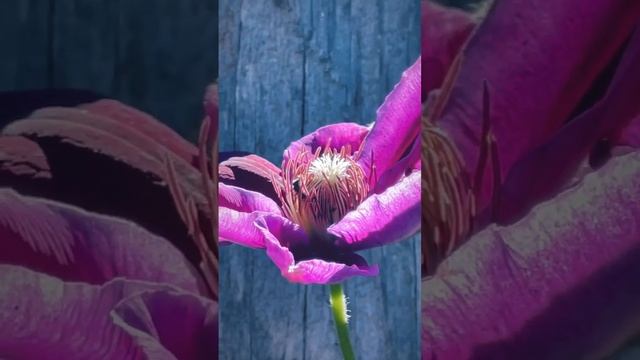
(449, 198)
(448, 204)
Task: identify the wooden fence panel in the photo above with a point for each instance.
(288, 67)
(25, 38)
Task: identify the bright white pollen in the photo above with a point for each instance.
(332, 167)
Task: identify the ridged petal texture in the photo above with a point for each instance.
(77, 245)
(539, 59)
(559, 284)
(96, 262)
(46, 318)
(84, 147)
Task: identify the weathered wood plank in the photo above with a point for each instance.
(83, 44)
(24, 56)
(288, 67)
(173, 57)
(261, 84)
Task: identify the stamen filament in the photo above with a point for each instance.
(319, 188)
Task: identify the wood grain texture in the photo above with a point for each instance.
(25, 38)
(288, 67)
(156, 56)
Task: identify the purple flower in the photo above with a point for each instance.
(343, 188)
(540, 253)
(95, 259)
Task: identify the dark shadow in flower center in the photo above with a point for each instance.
(322, 247)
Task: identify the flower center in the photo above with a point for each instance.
(319, 188)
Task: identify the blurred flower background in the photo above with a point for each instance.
(537, 121)
(98, 260)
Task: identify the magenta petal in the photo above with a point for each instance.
(382, 218)
(407, 164)
(322, 272)
(237, 211)
(76, 245)
(397, 124)
(281, 236)
(184, 324)
(335, 135)
(244, 200)
(562, 283)
(630, 136)
(557, 160)
(250, 172)
(255, 164)
(444, 31)
(238, 227)
(537, 72)
(45, 318)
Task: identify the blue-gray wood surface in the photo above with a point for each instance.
(156, 55)
(286, 68)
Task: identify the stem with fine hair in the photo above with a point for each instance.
(339, 307)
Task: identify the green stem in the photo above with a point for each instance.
(339, 308)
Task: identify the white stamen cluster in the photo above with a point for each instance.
(329, 167)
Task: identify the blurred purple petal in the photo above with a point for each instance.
(76, 245)
(444, 31)
(562, 283)
(382, 218)
(184, 324)
(144, 124)
(538, 68)
(396, 127)
(126, 125)
(112, 136)
(556, 160)
(84, 152)
(45, 318)
(23, 166)
(630, 136)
